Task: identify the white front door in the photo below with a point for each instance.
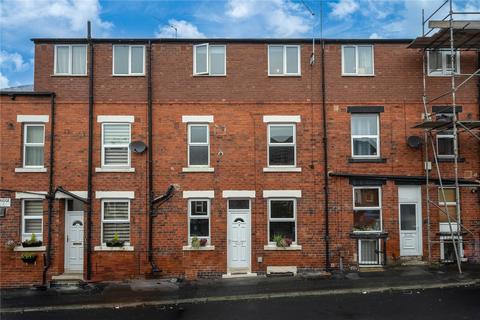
(239, 235)
(74, 241)
(410, 220)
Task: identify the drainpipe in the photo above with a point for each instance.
(90, 154)
(325, 161)
(51, 193)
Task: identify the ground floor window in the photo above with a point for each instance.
(367, 209)
(32, 219)
(369, 252)
(282, 219)
(199, 219)
(447, 250)
(115, 220)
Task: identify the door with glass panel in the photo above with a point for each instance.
(239, 235)
(410, 221)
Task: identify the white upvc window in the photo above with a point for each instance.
(369, 252)
(198, 145)
(209, 59)
(357, 60)
(199, 219)
(33, 145)
(284, 60)
(32, 219)
(128, 60)
(365, 137)
(282, 219)
(445, 145)
(281, 145)
(440, 62)
(115, 145)
(116, 220)
(367, 209)
(70, 60)
(447, 251)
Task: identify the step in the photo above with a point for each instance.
(412, 261)
(67, 280)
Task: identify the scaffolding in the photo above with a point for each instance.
(451, 36)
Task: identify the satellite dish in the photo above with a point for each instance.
(138, 146)
(414, 142)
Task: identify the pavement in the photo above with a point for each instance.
(169, 293)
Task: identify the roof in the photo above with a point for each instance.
(466, 35)
(23, 88)
(26, 93)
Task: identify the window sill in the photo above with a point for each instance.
(367, 160)
(105, 248)
(285, 75)
(29, 249)
(448, 159)
(368, 235)
(357, 75)
(208, 75)
(25, 170)
(128, 75)
(199, 169)
(293, 247)
(282, 169)
(70, 75)
(205, 248)
(114, 169)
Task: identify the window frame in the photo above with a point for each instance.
(284, 71)
(444, 72)
(208, 72)
(356, 74)
(270, 219)
(289, 144)
(364, 263)
(441, 135)
(130, 73)
(379, 208)
(129, 164)
(32, 144)
(127, 243)
(377, 136)
(70, 60)
(189, 143)
(208, 216)
(448, 203)
(27, 236)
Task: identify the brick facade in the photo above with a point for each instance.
(238, 154)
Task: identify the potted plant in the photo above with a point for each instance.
(32, 242)
(203, 242)
(28, 257)
(195, 243)
(115, 242)
(10, 245)
(281, 241)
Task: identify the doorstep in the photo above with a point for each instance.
(68, 277)
(239, 275)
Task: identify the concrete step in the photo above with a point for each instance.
(412, 261)
(67, 280)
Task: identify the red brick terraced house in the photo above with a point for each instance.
(216, 157)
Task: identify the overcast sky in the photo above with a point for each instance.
(21, 20)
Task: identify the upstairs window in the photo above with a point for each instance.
(198, 145)
(32, 219)
(209, 59)
(33, 145)
(283, 60)
(365, 136)
(281, 145)
(357, 60)
(128, 60)
(367, 209)
(440, 62)
(70, 60)
(115, 145)
(115, 220)
(445, 145)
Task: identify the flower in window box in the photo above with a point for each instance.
(115, 242)
(203, 242)
(29, 257)
(282, 242)
(195, 243)
(32, 242)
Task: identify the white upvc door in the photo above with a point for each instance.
(74, 241)
(239, 238)
(410, 220)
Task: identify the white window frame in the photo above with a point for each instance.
(448, 203)
(270, 219)
(130, 73)
(444, 239)
(444, 72)
(208, 72)
(443, 136)
(128, 165)
(27, 236)
(32, 144)
(207, 217)
(356, 60)
(369, 263)
(379, 208)
(288, 144)
(115, 221)
(70, 60)
(285, 73)
(190, 143)
(353, 137)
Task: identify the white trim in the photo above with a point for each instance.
(32, 118)
(198, 169)
(282, 144)
(126, 145)
(205, 248)
(129, 119)
(198, 144)
(70, 60)
(25, 235)
(32, 144)
(356, 74)
(29, 249)
(282, 169)
(26, 170)
(109, 169)
(288, 119)
(199, 217)
(284, 71)
(379, 207)
(129, 67)
(281, 269)
(210, 194)
(81, 194)
(238, 194)
(197, 119)
(117, 221)
(292, 219)
(195, 59)
(444, 72)
(361, 136)
(282, 193)
(105, 248)
(208, 60)
(293, 247)
(115, 194)
(24, 195)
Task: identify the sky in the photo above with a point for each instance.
(21, 20)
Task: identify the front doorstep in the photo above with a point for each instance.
(239, 275)
(68, 277)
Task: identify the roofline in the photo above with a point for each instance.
(27, 93)
(224, 40)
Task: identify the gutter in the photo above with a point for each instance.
(325, 163)
(90, 155)
(400, 178)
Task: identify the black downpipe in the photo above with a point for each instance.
(90, 155)
(325, 162)
(51, 193)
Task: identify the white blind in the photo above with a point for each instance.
(122, 229)
(116, 138)
(117, 213)
(32, 215)
(33, 208)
